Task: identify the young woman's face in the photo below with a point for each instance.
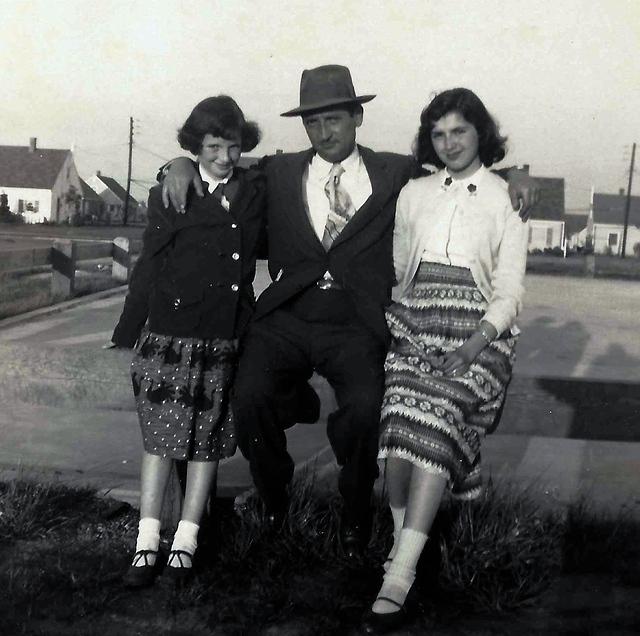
(455, 141)
(218, 156)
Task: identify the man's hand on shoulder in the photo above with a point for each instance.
(179, 175)
(524, 192)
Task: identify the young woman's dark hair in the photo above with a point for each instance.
(219, 116)
(491, 145)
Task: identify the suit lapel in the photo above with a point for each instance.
(247, 190)
(381, 187)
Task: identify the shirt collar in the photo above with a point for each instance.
(470, 183)
(320, 168)
(211, 181)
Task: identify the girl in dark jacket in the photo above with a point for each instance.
(190, 297)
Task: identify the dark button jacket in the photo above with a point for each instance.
(194, 276)
(360, 259)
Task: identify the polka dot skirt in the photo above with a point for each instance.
(181, 386)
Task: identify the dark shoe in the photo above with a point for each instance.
(142, 575)
(183, 572)
(354, 535)
(375, 623)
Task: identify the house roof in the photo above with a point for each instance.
(550, 207)
(88, 192)
(117, 189)
(21, 168)
(247, 161)
(575, 223)
(610, 208)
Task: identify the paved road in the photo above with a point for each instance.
(67, 403)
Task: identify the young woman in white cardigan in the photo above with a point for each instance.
(459, 254)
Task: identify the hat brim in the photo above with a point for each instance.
(325, 104)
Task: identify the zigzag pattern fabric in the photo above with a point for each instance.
(341, 207)
(435, 421)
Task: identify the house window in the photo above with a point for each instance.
(549, 236)
(26, 205)
(613, 239)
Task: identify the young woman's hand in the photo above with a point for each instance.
(456, 363)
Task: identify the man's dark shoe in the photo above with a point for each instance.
(354, 535)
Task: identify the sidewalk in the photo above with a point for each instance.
(68, 408)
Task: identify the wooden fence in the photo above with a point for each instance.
(64, 257)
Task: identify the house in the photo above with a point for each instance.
(113, 196)
(547, 221)
(91, 204)
(575, 229)
(608, 212)
(42, 184)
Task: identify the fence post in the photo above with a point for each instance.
(63, 268)
(590, 265)
(121, 259)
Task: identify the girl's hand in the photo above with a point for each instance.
(456, 363)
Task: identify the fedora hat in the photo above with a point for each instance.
(326, 86)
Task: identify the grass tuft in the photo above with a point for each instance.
(501, 551)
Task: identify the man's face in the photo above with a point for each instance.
(332, 133)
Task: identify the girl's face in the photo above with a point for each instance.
(218, 156)
(455, 141)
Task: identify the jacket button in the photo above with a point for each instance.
(234, 287)
(235, 256)
(176, 303)
(234, 226)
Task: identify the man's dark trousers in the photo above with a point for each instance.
(320, 331)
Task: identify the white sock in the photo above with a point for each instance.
(148, 539)
(186, 539)
(398, 520)
(401, 573)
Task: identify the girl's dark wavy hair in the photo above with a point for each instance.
(491, 145)
(221, 117)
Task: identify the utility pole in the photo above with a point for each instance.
(627, 206)
(126, 203)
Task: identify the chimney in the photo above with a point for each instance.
(621, 192)
(279, 151)
(98, 173)
(525, 167)
(32, 144)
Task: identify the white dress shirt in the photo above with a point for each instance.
(214, 183)
(355, 180)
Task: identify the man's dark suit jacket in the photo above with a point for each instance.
(194, 277)
(360, 259)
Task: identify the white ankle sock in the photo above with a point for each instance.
(185, 538)
(398, 520)
(148, 539)
(402, 571)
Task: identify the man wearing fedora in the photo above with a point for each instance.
(330, 214)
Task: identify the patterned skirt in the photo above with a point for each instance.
(181, 386)
(430, 419)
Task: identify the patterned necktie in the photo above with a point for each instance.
(341, 207)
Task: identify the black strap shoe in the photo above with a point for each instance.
(142, 575)
(375, 623)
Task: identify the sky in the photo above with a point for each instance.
(561, 76)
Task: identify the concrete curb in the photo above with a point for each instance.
(58, 307)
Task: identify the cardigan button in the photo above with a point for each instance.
(234, 226)
(235, 256)
(234, 287)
